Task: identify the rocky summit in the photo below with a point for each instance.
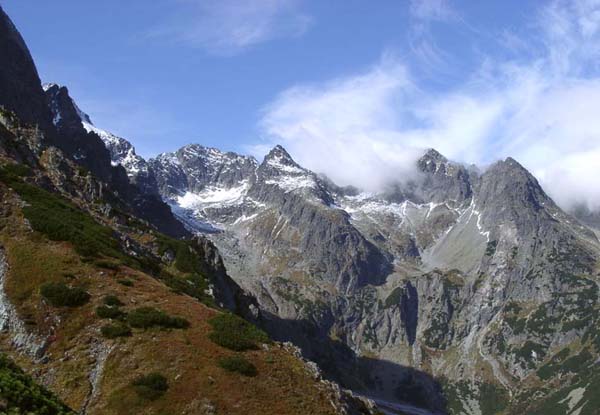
(208, 282)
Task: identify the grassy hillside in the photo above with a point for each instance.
(130, 332)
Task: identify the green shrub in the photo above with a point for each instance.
(151, 386)
(13, 171)
(105, 311)
(235, 333)
(106, 264)
(394, 298)
(193, 285)
(186, 258)
(60, 295)
(126, 282)
(21, 395)
(492, 399)
(146, 317)
(238, 364)
(112, 331)
(112, 300)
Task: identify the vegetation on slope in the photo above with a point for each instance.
(21, 395)
(60, 295)
(59, 219)
(147, 317)
(234, 333)
(238, 364)
(151, 386)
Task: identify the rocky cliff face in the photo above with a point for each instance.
(122, 153)
(87, 148)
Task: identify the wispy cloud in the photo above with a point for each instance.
(227, 27)
(540, 107)
(425, 16)
(433, 10)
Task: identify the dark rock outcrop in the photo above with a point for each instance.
(20, 87)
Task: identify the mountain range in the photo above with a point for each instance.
(456, 290)
(476, 278)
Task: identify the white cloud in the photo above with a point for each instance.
(541, 108)
(226, 27)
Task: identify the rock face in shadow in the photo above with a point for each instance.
(20, 90)
(409, 311)
(86, 148)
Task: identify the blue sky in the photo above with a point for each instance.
(120, 59)
(352, 88)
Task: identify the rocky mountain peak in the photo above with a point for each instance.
(433, 155)
(433, 162)
(65, 110)
(509, 177)
(278, 156)
(508, 194)
(54, 92)
(442, 180)
(278, 164)
(194, 168)
(194, 153)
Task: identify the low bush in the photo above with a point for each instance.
(112, 331)
(60, 295)
(103, 263)
(235, 333)
(21, 395)
(112, 300)
(146, 317)
(151, 386)
(14, 171)
(194, 285)
(105, 311)
(238, 364)
(186, 258)
(126, 282)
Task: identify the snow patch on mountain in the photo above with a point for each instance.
(213, 197)
(277, 162)
(291, 183)
(122, 152)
